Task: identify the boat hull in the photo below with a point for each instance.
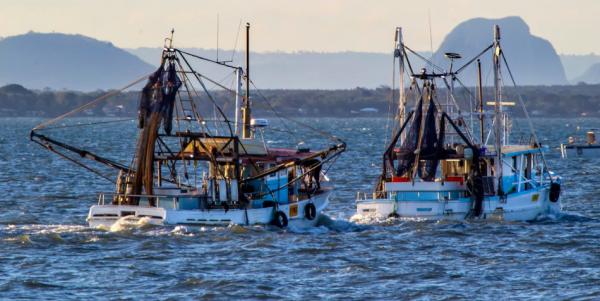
(523, 206)
(580, 150)
(108, 215)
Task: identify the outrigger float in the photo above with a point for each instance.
(193, 173)
(435, 168)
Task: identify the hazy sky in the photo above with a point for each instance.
(335, 25)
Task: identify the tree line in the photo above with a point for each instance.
(546, 101)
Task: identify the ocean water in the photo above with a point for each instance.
(48, 252)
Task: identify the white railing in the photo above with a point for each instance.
(157, 197)
(440, 195)
(363, 196)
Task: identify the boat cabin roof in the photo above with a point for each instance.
(249, 151)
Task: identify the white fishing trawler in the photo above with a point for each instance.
(435, 167)
(190, 170)
(586, 149)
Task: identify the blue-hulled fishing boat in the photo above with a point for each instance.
(438, 165)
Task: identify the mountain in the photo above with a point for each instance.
(533, 60)
(590, 76)
(76, 62)
(62, 61)
(577, 64)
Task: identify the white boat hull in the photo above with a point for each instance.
(108, 215)
(523, 206)
(581, 150)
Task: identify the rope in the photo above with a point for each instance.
(522, 103)
(204, 87)
(91, 123)
(425, 59)
(50, 148)
(320, 132)
(281, 118)
(89, 104)
(390, 101)
(473, 59)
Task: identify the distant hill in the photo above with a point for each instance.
(590, 76)
(533, 60)
(300, 70)
(75, 62)
(576, 64)
(61, 61)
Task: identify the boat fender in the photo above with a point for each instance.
(310, 211)
(554, 192)
(280, 219)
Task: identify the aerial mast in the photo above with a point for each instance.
(238, 92)
(246, 116)
(480, 90)
(498, 108)
(399, 53)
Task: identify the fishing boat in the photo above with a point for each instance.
(439, 164)
(587, 149)
(190, 170)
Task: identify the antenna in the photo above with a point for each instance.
(169, 39)
(246, 115)
(430, 34)
(399, 53)
(217, 37)
(498, 128)
(236, 41)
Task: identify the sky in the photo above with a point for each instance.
(301, 25)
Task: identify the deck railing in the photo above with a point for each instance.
(157, 197)
(439, 195)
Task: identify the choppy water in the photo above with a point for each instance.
(47, 252)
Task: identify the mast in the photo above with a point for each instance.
(238, 92)
(246, 116)
(449, 107)
(399, 53)
(480, 92)
(498, 108)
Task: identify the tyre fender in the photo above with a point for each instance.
(310, 211)
(554, 192)
(280, 219)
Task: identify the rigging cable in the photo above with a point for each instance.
(89, 104)
(390, 101)
(320, 132)
(522, 103)
(87, 124)
(206, 90)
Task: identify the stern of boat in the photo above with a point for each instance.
(108, 215)
(369, 206)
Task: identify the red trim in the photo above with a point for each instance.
(400, 179)
(455, 179)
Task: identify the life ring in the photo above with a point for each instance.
(310, 211)
(554, 192)
(280, 220)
